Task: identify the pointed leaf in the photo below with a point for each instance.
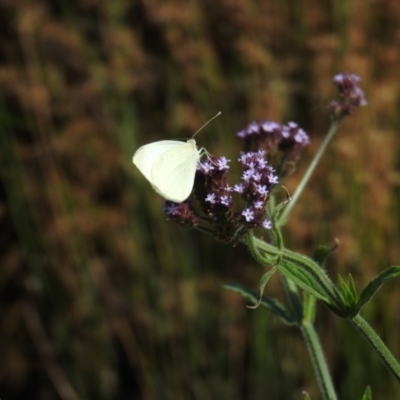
(273, 305)
(352, 287)
(375, 284)
(263, 281)
(367, 394)
(309, 301)
(323, 252)
(348, 292)
(306, 396)
(303, 278)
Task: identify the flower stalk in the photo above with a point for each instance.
(318, 360)
(376, 342)
(328, 138)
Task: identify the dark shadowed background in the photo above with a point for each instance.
(101, 297)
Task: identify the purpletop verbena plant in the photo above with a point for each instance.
(233, 212)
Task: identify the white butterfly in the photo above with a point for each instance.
(170, 166)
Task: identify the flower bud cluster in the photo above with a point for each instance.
(223, 210)
(181, 213)
(351, 96)
(282, 143)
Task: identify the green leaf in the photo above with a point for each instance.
(310, 282)
(273, 305)
(309, 301)
(323, 252)
(303, 278)
(306, 396)
(348, 292)
(367, 394)
(263, 281)
(375, 284)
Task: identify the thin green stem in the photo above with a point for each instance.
(332, 130)
(318, 359)
(310, 336)
(372, 337)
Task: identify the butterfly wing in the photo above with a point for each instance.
(173, 172)
(145, 157)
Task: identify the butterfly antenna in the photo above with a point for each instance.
(215, 116)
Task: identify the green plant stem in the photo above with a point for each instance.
(330, 295)
(318, 359)
(309, 334)
(376, 342)
(332, 130)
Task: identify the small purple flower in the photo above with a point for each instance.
(206, 166)
(248, 214)
(358, 98)
(273, 179)
(257, 176)
(211, 198)
(267, 224)
(226, 200)
(170, 208)
(222, 163)
(286, 132)
(252, 128)
(258, 204)
(239, 187)
(262, 190)
(340, 79)
(262, 163)
(270, 126)
(244, 157)
(301, 137)
(248, 174)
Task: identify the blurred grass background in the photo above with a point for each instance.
(101, 297)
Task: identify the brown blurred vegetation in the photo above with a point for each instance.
(101, 298)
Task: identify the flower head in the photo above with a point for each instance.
(229, 211)
(282, 144)
(226, 209)
(182, 213)
(351, 96)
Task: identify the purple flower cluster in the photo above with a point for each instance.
(228, 212)
(258, 178)
(282, 143)
(182, 213)
(351, 96)
(272, 132)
